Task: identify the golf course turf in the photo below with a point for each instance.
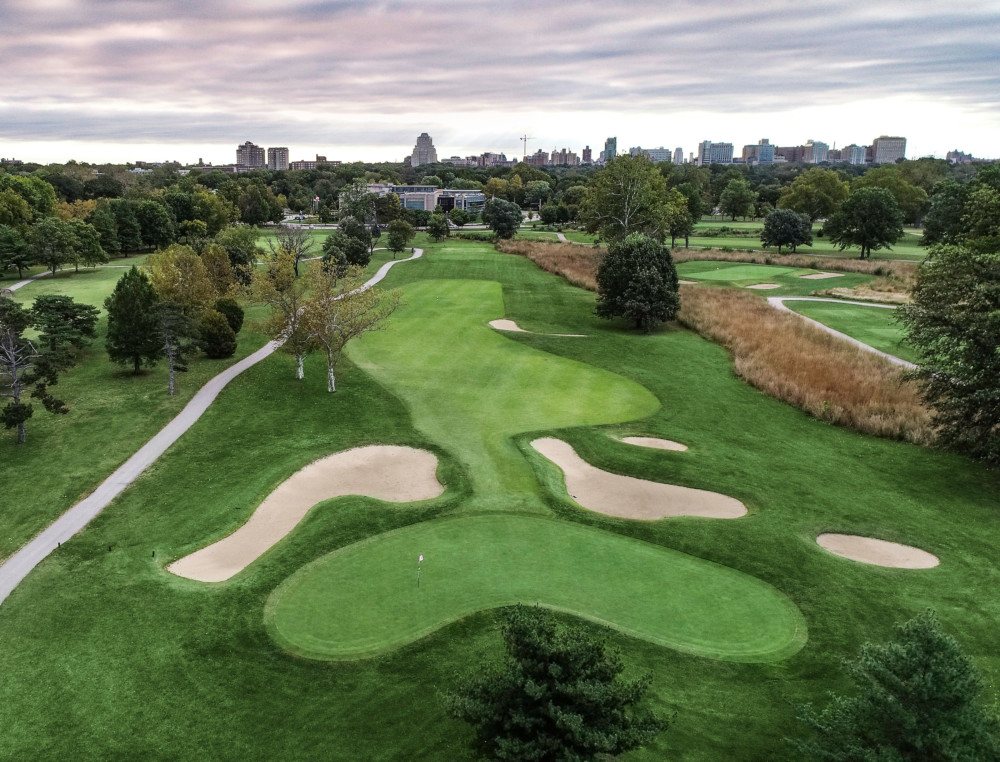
(365, 599)
(875, 326)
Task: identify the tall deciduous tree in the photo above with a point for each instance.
(912, 200)
(817, 192)
(340, 307)
(52, 242)
(784, 227)
(400, 235)
(23, 369)
(438, 228)
(503, 217)
(294, 239)
(15, 253)
(156, 225)
(134, 333)
(637, 280)
(869, 218)
(954, 321)
(737, 198)
(916, 699)
(240, 244)
(558, 695)
(628, 196)
(276, 286)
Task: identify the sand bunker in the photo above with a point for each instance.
(632, 498)
(868, 550)
(510, 325)
(654, 442)
(688, 282)
(396, 474)
(763, 286)
(821, 276)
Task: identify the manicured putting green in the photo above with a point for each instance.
(735, 272)
(364, 599)
(470, 388)
(875, 326)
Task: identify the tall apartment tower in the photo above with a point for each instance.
(714, 153)
(888, 150)
(277, 158)
(250, 155)
(678, 155)
(610, 149)
(814, 151)
(424, 151)
(588, 156)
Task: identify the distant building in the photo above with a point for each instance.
(790, 153)
(277, 158)
(457, 161)
(493, 160)
(953, 157)
(588, 156)
(888, 150)
(250, 156)
(12, 162)
(714, 153)
(814, 151)
(563, 156)
(424, 151)
(853, 154)
(428, 197)
(761, 153)
(678, 155)
(655, 155)
(834, 155)
(610, 149)
(538, 159)
(320, 161)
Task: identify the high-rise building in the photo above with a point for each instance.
(277, 158)
(610, 149)
(761, 153)
(790, 153)
(655, 155)
(538, 159)
(563, 156)
(250, 156)
(678, 155)
(714, 153)
(814, 151)
(888, 150)
(588, 156)
(424, 151)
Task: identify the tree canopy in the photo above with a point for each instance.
(869, 218)
(817, 192)
(558, 695)
(637, 280)
(785, 227)
(134, 333)
(628, 196)
(503, 217)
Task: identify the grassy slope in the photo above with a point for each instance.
(874, 326)
(157, 667)
(738, 275)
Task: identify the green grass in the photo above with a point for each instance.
(738, 275)
(475, 399)
(161, 667)
(875, 326)
(481, 562)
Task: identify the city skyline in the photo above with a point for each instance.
(119, 81)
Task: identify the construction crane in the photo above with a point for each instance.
(525, 139)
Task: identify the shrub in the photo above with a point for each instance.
(232, 312)
(218, 339)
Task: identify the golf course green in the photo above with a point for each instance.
(365, 599)
(470, 389)
(738, 272)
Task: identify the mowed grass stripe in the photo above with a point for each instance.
(364, 600)
(875, 326)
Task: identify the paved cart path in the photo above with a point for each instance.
(779, 302)
(19, 565)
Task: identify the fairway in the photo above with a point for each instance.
(875, 326)
(735, 272)
(470, 389)
(364, 599)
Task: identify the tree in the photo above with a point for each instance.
(438, 228)
(628, 196)
(943, 221)
(240, 243)
(344, 249)
(679, 220)
(503, 217)
(219, 269)
(276, 286)
(15, 253)
(178, 275)
(103, 220)
(400, 235)
(36, 193)
(87, 249)
(218, 338)
(134, 333)
(784, 227)
(14, 210)
(232, 311)
(637, 280)
(64, 327)
(126, 224)
(954, 321)
(496, 187)
(294, 239)
(459, 217)
(912, 200)
(737, 199)
(916, 699)
(155, 223)
(258, 205)
(817, 192)
(535, 192)
(22, 369)
(341, 308)
(558, 695)
(869, 218)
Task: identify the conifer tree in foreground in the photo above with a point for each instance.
(134, 332)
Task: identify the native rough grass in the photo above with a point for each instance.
(777, 352)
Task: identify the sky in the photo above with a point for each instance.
(155, 80)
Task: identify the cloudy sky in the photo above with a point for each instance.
(121, 80)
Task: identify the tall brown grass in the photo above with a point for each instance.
(776, 352)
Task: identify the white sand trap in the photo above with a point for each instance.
(868, 550)
(632, 498)
(688, 282)
(763, 286)
(655, 443)
(822, 276)
(396, 474)
(509, 325)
